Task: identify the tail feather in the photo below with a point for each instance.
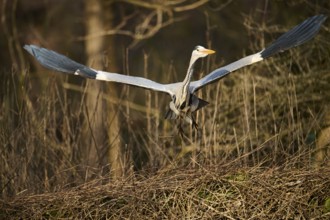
(201, 103)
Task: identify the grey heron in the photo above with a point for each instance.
(184, 101)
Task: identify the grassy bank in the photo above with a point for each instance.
(218, 192)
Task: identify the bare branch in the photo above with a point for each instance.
(155, 16)
(190, 6)
(144, 4)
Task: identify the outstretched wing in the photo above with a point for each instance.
(55, 61)
(294, 37)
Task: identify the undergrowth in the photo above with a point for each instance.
(214, 192)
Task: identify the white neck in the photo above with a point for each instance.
(186, 82)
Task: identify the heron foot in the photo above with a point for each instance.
(194, 125)
(180, 130)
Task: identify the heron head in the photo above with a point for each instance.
(200, 51)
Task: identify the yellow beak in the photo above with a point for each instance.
(207, 51)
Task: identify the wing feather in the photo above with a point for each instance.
(294, 37)
(58, 62)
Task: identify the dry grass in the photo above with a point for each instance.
(218, 192)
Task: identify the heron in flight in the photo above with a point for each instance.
(184, 101)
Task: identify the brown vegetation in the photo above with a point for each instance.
(221, 192)
(263, 147)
